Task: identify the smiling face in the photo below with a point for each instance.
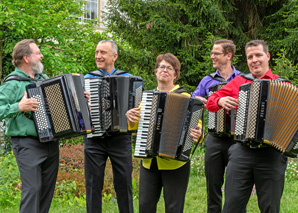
(165, 73)
(105, 57)
(257, 60)
(219, 59)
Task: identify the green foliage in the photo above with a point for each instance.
(67, 46)
(284, 67)
(10, 184)
(188, 28)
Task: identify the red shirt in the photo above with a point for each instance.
(232, 89)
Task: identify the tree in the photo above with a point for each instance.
(67, 45)
(188, 28)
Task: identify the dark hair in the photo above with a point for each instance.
(113, 44)
(21, 49)
(255, 43)
(227, 45)
(171, 59)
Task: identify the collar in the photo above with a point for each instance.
(268, 75)
(108, 73)
(175, 87)
(21, 73)
(234, 73)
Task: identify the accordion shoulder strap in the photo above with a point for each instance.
(101, 74)
(20, 78)
(282, 79)
(247, 76)
(180, 90)
(212, 75)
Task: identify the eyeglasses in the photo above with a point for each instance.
(169, 69)
(215, 54)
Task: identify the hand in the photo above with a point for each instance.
(26, 104)
(87, 95)
(133, 115)
(204, 100)
(228, 102)
(196, 133)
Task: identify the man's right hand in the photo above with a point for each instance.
(228, 102)
(26, 104)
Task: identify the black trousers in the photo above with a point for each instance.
(38, 165)
(173, 182)
(118, 149)
(216, 160)
(264, 167)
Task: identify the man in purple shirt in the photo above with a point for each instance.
(216, 151)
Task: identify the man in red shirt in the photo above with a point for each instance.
(265, 167)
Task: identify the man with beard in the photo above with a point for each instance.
(217, 146)
(38, 162)
(116, 146)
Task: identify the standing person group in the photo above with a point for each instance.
(38, 162)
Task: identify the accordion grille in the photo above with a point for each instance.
(192, 125)
(57, 108)
(253, 110)
(151, 124)
(138, 97)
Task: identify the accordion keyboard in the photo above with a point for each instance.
(146, 105)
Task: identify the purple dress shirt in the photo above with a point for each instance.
(203, 88)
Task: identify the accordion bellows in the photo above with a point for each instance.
(165, 123)
(268, 113)
(63, 108)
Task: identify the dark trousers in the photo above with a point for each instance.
(118, 149)
(264, 167)
(173, 182)
(216, 160)
(38, 165)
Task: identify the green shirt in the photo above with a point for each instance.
(11, 93)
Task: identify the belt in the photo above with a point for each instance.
(254, 144)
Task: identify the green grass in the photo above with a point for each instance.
(196, 198)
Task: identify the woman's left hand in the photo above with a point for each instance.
(196, 133)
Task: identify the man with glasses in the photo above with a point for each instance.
(38, 162)
(217, 146)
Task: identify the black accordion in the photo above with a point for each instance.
(220, 123)
(165, 123)
(268, 114)
(63, 107)
(110, 98)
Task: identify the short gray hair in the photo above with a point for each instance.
(255, 43)
(113, 44)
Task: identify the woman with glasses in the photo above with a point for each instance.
(158, 173)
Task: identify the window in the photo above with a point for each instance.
(91, 10)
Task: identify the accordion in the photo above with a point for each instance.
(63, 108)
(267, 114)
(110, 98)
(220, 123)
(165, 123)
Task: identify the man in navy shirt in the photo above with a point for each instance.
(216, 151)
(116, 146)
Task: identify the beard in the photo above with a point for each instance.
(37, 67)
